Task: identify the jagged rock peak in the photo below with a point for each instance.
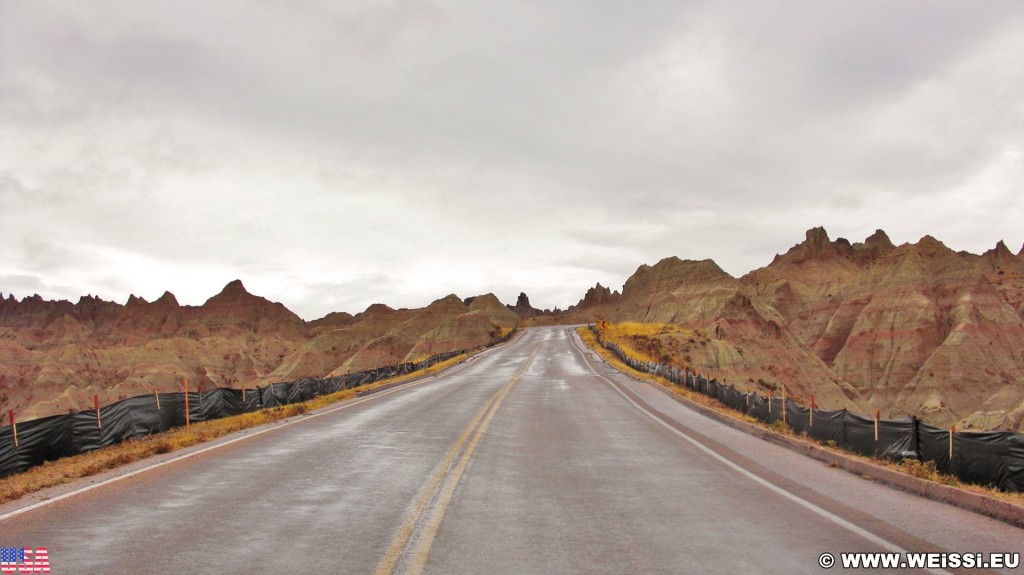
(875, 246)
(523, 300)
(233, 290)
(89, 299)
(817, 238)
(166, 300)
(816, 246)
(523, 306)
(930, 244)
(596, 295)
(879, 239)
(134, 300)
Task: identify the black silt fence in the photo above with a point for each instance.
(896, 439)
(986, 458)
(50, 438)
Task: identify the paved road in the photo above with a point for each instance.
(533, 458)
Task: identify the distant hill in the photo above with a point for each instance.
(55, 355)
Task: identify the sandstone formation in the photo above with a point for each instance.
(55, 355)
(523, 307)
(720, 329)
(915, 329)
(595, 296)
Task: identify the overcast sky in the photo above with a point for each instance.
(336, 154)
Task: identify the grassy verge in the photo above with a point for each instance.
(921, 470)
(63, 470)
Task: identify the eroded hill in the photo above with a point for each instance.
(55, 355)
(914, 329)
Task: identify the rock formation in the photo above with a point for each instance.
(915, 329)
(55, 355)
(523, 307)
(595, 296)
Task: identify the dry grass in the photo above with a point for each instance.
(66, 469)
(922, 470)
(63, 470)
(591, 341)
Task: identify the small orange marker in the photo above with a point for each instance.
(14, 428)
(186, 405)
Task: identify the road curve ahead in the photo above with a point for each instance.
(533, 458)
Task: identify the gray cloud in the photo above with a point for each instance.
(334, 155)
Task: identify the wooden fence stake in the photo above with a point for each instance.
(784, 410)
(96, 404)
(157, 395)
(811, 412)
(186, 406)
(14, 429)
(952, 430)
(769, 402)
(877, 413)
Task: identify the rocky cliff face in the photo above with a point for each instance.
(915, 329)
(55, 355)
(723, 329)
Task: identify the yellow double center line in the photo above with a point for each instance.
(479, 423)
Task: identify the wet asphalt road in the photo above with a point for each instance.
(533, 458)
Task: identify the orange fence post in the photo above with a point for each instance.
(811, 412)
(784, 405)
(877, 413)
(952, 430)
(14, 428)
(186, 406)
(96, 404)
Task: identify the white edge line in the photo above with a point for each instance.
(796, 498)
(249, 435)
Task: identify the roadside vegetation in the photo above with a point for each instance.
(61, 471)
(621, 334)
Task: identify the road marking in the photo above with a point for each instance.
(479, 423)
(401, 539)
(780, 491)
(419, 559)
(247, 435)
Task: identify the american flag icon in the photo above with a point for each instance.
(24, 560)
